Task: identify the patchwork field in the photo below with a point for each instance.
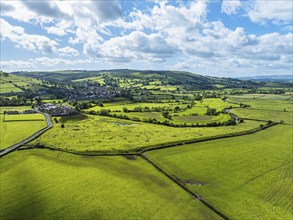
(180, 112)
(12, 83)
(97, 133)
(246, 177)
(22, 127)
(43, 184)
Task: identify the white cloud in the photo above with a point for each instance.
(26, 41)
(164, 32)
(261, 11)
(231, 7)
(276, 11)
(67, 51)
(137, 45)
(56, 30)
(41, 63)
(32, 42)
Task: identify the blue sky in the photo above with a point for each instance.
(218, 38)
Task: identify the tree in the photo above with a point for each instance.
(211, 111)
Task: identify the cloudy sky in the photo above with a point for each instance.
(218, 38)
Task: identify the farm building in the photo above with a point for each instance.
(55, 110)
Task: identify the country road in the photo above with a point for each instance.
(32, 137)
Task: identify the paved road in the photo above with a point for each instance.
(32, 137)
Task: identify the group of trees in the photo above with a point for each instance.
(106, 112)
(14, 101)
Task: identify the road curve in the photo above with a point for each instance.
(30, 138)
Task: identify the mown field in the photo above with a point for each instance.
(43, 184)
(13, 132)
(24, 117)
(245, 177)
(97, 133)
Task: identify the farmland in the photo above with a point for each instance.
(255, 168)
(265, 107)
(17, 84)
(146, 145)
(64, 186)
(99, 133)
(15, 128)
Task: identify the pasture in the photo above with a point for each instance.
(267, 102)
(263, 114)
(20, 128)
(13, 83)
(44, 184)
(97, 133)
(245, 177)
(181, 112)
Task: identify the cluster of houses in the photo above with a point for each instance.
(92, 92)
(54, 110)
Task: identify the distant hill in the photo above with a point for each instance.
(271, 78)
(180, 78)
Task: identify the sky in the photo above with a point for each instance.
(225, 38)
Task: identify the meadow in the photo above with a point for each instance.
(245, 177)
(12, 132)
(266, 101)
(98, 133)
(7, 84)
(188, 113)
(44, 184)
(24, 117)
(262, 114)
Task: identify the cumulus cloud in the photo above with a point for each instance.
(275, 11)
(56, 30)
(32, 42)
(137, 45)
(261, 11)
(164, 32)
(231, 7)
(41, 63)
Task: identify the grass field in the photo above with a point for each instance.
(6, 83)
(24, 117)
(267, 102)
(246, 177)
(263, 114)
(184, 115)
(43, 184)
(98, 133)
(15, 131)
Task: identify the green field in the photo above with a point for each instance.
(188, 113)
(263, 114)
(97, 133)
(7, 84)
(246, 177)
(43, 184)
(13, 132)
(272, 102)
(24, 117)
(265, 107)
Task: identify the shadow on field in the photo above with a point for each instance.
(134, 169)
(30, 206)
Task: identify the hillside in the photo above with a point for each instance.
(174, 78)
